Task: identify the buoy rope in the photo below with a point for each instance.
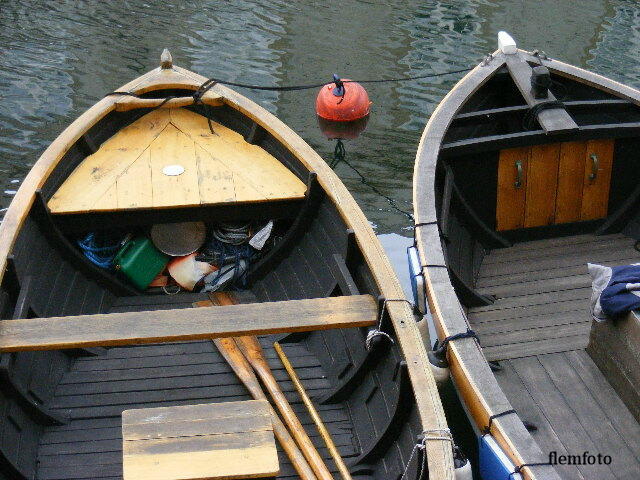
(212, 81)
(339, 156)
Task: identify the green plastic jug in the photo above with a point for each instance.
(140, 261)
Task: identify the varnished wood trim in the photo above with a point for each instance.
(475, 381)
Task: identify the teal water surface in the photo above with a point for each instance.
(58, 58)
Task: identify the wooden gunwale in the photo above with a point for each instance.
(476, 383)
(429, 407)
(469, 368)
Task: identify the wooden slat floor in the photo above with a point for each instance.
(542, 291)
(538, 328)
(97, 389)
(575, 410)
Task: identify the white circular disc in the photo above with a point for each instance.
(173, 170)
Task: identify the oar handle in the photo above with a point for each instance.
(324, 433)
(252, 350)
(233, 356)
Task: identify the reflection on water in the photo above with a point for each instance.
(58, 58)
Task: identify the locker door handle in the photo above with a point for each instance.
(518, 182)
(594, 167)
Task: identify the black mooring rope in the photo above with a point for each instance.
(212, 81)
(339, 155)
(519, 468)
(528, 121)
(487, 430)
(209, 83)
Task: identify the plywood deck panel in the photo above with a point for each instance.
(127, 170)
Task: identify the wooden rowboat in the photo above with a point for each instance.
(512, 199)
(81, 345)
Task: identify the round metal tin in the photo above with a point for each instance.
(178, 239)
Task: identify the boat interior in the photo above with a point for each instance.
(60, 410)
(523, 205)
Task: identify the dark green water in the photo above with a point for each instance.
(58, 58)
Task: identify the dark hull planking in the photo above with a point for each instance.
(478, 207)
(60, 410)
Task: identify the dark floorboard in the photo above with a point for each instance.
(542, 291)
(97, 389)
(538, 328)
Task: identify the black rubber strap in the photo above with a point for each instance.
(519, 468)
(468, 334)
(440, 348)
(486, 430)
(423, 224)
(532, 114)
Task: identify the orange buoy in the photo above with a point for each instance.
(342, 102)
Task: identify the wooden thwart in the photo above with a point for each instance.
(131, 103)
(214, 441)
(188, 324)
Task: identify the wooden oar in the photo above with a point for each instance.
(326, 436)
(252, 351)
(234, 357)
(242, 369)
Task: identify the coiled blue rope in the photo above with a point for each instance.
(102, 256)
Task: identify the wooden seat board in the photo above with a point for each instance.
(187, 324)
(214, 441)
(220, 167)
